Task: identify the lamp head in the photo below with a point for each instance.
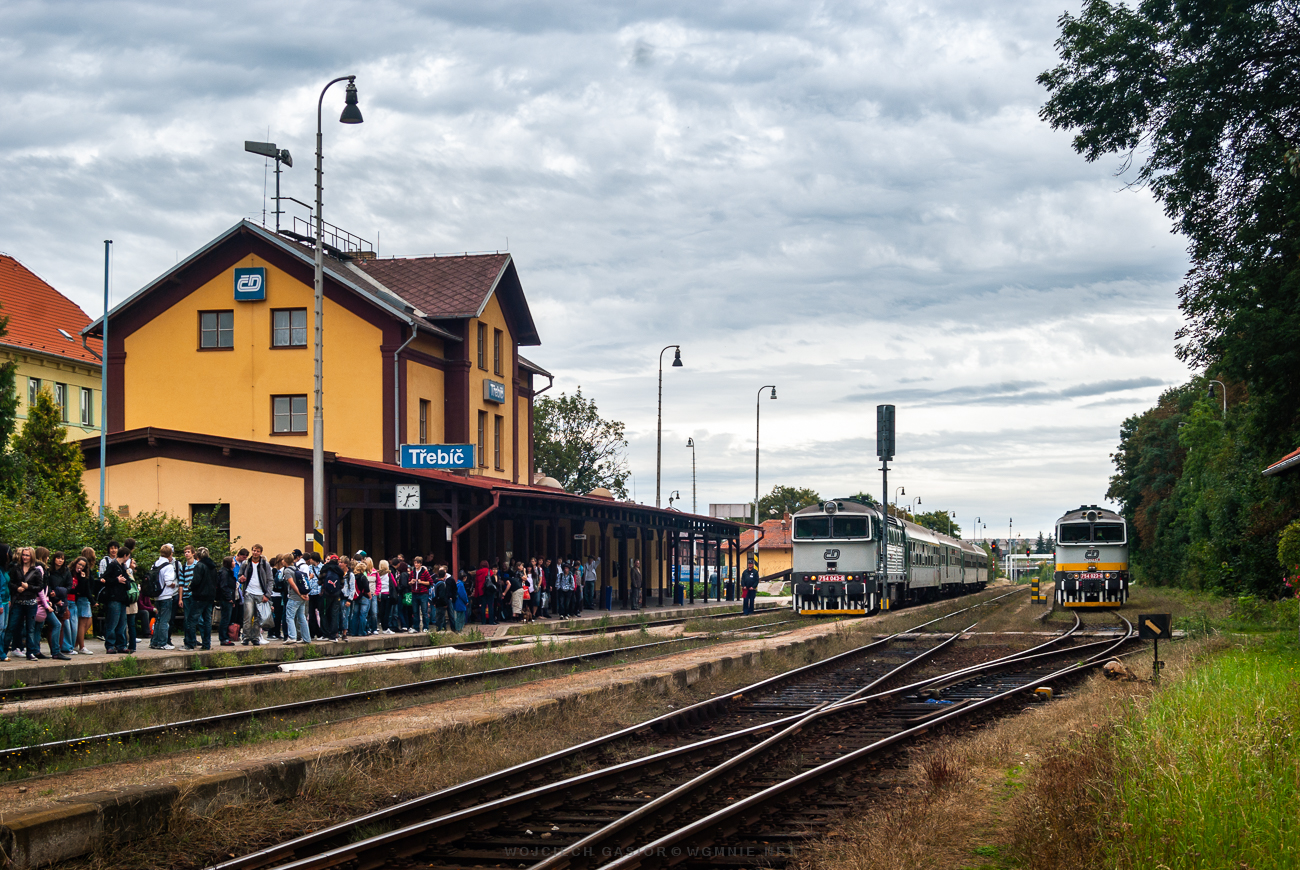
(351, 114)
(677, 357)
(774, 392)
(690, 442)
(1210, 391)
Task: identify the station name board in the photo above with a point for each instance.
(494, 391)
(438, 456)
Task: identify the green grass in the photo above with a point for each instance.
(1208, 773)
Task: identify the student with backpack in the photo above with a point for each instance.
(439, 596)
(460, 605)
(161, 585)
(330, 582)
(203, 592)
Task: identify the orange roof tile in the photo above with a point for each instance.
(774, 537)
(37, 312)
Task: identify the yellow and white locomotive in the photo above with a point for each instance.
(1091, 558)
(836, 561)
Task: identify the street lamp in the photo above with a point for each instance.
(690, 442)
(1225, 395)
(673, 496)
(351, 115)
(898, 490)
(915, 504)
(758, 407)
(975, 528)
(659, 439)
(952, 516)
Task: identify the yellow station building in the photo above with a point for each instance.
(210, 373)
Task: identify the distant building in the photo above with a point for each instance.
(44, 340)
(775, 550)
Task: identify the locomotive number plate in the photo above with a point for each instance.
(831, 578)
(1093, 575)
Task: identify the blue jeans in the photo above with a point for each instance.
(115, 621)
(162, 628)
(198, 624)
(295, 618)
(423, 612)
(22, 628)
(372, 613)
(457, 620)
(56, 633)
(356, 611)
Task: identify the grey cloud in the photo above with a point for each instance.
(1011, 393)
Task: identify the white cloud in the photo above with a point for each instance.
(851, 200)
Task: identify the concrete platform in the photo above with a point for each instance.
(18, 671)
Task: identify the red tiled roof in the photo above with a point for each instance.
(774, 537)
(441, 287)
(37, 312)
(1286, 463)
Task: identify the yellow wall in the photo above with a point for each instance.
(50, 370)
(423, 382)
(495, 319)
(264, 508)
(771, 561)
(171, 384)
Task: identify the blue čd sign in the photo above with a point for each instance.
(250, 284)
(437, 455)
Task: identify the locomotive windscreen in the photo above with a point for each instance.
(1100, 533)
(1074, 533)
(812, 527)
(850, 527)
(1108, 533)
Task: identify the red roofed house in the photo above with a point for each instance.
(44, 340)
(210, 402)
(775, 550)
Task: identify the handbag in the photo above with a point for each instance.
(265, 616)
(408, 599)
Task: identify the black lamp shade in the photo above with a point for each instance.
(774, 392)
(351, 114)
(677, 357)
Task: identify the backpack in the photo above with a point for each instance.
(440, 593)
(152, 586)
(132, 592)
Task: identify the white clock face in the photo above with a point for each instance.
(408, 496)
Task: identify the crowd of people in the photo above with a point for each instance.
(252, 598)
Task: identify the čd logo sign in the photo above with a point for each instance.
(250, 284)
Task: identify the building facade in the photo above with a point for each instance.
(211, 382)
(44, 341)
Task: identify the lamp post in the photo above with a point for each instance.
(103, 391)
(952, 516)
(916, 502)
(975, 528)
(690, 442)
(351, 115)
(673, 496)
(1225, 395)
(659, 437)
(758, 407)
(898, 490)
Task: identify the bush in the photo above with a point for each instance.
(59, 521)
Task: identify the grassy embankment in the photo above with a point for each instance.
(1202, 771)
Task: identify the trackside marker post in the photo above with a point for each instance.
(1153, 627)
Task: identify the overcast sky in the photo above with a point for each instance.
(854, 201)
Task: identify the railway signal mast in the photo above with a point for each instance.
(885, 452)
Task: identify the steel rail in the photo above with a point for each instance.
(347, 698)
(721, 821)
(450, 798)
(420, 834)
(78, 688)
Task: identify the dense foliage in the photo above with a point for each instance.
(44, 458)
(1200, 95)
(574, 445)
(786, 500)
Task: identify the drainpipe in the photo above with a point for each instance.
(397, 396)
(455, 536)
(550, 378)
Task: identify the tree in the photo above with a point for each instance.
(1040, 546)
(938, 521)
(576, 447)
(1206, 91)
(52, 462)
(785, 500)
(8, 393)
(865, 498)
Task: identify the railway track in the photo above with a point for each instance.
(77, 688)
(683, 741)
(61, 747)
